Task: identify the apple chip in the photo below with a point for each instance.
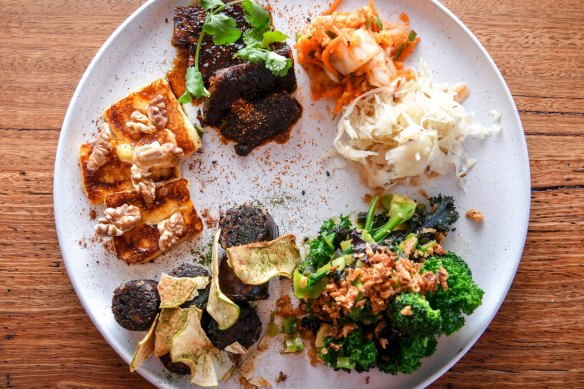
(145, 348)
(236, 348)
(170, 322)
(176, 291)
(257, 263)
(192, 347)
(220, 307)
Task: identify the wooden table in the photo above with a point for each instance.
(47, 340)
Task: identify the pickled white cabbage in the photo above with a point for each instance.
(407, 129)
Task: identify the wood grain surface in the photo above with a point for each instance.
(47, 340)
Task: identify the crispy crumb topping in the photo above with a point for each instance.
(475, 215)
(380, 277)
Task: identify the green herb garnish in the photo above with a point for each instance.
(378, 22)
(224, 31)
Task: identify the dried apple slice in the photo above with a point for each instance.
(145, 348)
(192, 347)
(175, 291)
(220, 307)
(257, 263)
(170, 322)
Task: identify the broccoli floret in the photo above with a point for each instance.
(441, 217)
(401, 209)
(354, 352)
(406, 357)
(419, 320)
(463, 295)
(322, 248)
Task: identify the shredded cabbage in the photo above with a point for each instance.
(407, 129)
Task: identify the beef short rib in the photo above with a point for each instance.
(248, 81)
(250, 123)
(188, 23)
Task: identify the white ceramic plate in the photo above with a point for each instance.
(139, 51)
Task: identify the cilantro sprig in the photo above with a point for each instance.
(257, 50)
(224, 31)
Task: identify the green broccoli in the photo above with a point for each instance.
(322, 248)
(406, 358)
(421, 322)
(401, 209)
(463, 295)
(354, 352)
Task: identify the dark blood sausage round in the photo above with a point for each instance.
(177, 368)
(246, 330)
(135, 304)
(194, 270)
(247, 223)
(244, 224)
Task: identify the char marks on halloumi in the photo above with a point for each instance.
(114, 175)
(141, 244)
(118, 115)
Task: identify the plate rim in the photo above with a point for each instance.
(524, 156)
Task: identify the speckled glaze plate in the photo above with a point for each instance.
(293, 183)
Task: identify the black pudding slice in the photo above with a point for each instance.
(246, 330)
(135, 304)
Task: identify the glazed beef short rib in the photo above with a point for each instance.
(248, 104)
(250, 123)
(248, 81)
(188, 22)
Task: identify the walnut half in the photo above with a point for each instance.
(140, 123)
(475, 215)
(118, 220)
(143, 183)
(171, 231)
(156, 155)
(100, 150)
(157, 113)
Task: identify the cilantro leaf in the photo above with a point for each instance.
(255, 15)
(209, 5)
(253, 54)
(185, 98)
(253, 37)
(222, 27)
(273, 37)
(194, 82)
(278, 64)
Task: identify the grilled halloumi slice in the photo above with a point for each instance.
(178, 123)
(141, 244)
(115, 176)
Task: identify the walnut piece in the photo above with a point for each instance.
(170, 230)
(462, 92)
(143, 183)
(475, 215)
(140, 123)
(156, 155)
(157, 113)
(100, 150)
(118, 220)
